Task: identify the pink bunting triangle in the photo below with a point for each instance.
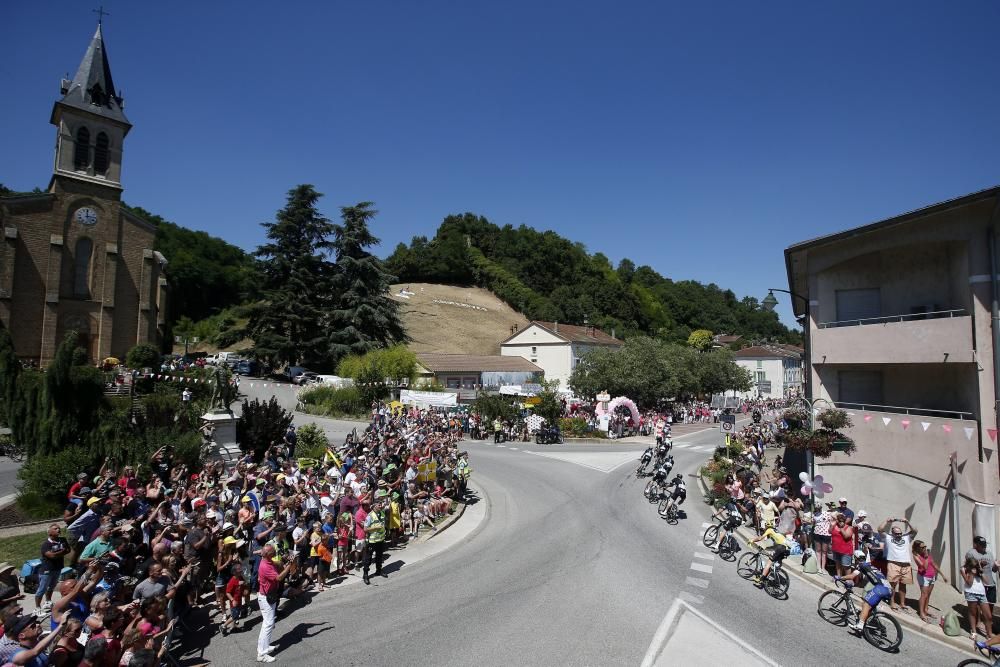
(946, 428)
(868, 418)
(926, 425)
(968, 432)
(905, 423)
(992, 433)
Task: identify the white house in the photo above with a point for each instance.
(776, 370)
(556, 347)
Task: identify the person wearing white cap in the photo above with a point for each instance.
(845, 510)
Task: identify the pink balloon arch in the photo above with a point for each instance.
(615, 402)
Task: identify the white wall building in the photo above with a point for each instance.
(556, 348)
(776, 370)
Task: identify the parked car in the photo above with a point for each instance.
(293, 372)
(248, 367)
(307, 377)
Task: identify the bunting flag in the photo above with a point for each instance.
(946, 427)
(968, 432)
(905, 423)
(868, 418)
(993, 434)
(886, 420)
(926, 425)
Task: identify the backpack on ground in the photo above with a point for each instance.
(951, 624)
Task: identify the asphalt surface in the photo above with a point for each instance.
(569, 565)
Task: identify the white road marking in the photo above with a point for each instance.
(697, 583)
(600, 461)
(707, 569)
(502, 446)
(514, 449)
(704, 556)
(681, 445)
(694, 630)
(692, 598)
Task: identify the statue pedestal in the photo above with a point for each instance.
(225, 447)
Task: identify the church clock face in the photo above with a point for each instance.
(86, 216)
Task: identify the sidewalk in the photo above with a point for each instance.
(944, 598)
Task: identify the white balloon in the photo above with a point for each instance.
(804, 476)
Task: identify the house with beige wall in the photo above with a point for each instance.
(898, 329)
(776, 370)
(556, 348)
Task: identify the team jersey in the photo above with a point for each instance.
(775, 537)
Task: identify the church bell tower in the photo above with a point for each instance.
(91, 124)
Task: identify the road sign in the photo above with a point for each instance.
(727, 423)
(604, 397)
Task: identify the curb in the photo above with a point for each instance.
(450, 521)
(926, 629)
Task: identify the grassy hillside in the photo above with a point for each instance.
(457, 320)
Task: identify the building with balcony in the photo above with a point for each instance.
(898, 330)
(776, 370)
(556, 347)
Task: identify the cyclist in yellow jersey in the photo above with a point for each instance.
(776, 553)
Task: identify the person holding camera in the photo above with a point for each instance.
(987, 562)
(270, 582)
(975, 597)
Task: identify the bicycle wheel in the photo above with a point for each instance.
(833, 608)
(728, 549)
(649, 488)
(662, 507)
(777, 584)
(883, 632)
(711, 535)
(654, 493)
(747, 565)
(975, 661)
(672, 515)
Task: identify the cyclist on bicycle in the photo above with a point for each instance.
(862, 573)
(776, 553)
(678, 493)
(731, 520)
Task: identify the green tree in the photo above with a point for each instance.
(72, 401)
(364, 318)
(143, 355)
(311, 442)
(718, 372)
(290, 325)
(700, 339)
(260, 424)
(549, 407)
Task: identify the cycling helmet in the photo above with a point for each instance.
(859, 555)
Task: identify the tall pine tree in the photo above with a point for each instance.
(290, 324)
(365, 318)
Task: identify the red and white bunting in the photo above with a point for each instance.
(946, 428)
(925, 425)
(968, 432)
(992, 433)
(886, 421)
(868, 418)
(905, 423)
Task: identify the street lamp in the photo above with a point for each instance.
(769, 302)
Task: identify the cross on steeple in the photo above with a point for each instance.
(100, 14)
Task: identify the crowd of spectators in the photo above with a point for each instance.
(142, 548)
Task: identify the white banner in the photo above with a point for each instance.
(436, 398)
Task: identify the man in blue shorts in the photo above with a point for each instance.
(863, 573)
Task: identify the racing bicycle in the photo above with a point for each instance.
(881, 630)
(751, 564)
(728, 548)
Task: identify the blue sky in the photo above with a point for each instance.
(698, 138)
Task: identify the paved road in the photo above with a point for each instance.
(8, 476)
(570, 566)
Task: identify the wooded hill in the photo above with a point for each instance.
(547, 277)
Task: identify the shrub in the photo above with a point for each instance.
(574, 427)
(332, 402)
(49, 477)
(311, 442)
(143, 355)
(260, 424)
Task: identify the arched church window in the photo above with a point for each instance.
(81, 156)
(81, 267)
(101, 153)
